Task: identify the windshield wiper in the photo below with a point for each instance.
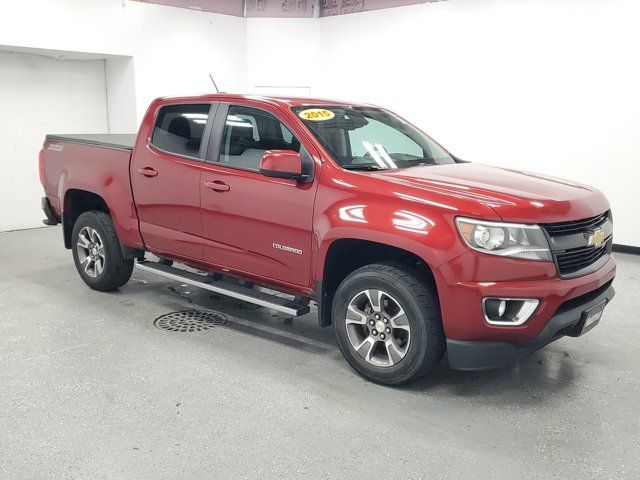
(423, 161)
(369, 167)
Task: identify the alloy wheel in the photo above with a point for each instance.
(378, 328)
(91, 252)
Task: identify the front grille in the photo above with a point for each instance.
(578, 258)
(569, 244)
(575, 226)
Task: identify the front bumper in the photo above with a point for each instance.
(465, 281)
(470, 355)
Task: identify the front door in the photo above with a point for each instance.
(254, 224)
(165, 177)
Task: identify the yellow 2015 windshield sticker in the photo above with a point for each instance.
(316, 114)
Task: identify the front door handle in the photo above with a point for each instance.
(148, 172)
(217, 186)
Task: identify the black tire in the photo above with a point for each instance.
(116, 270)
(417, 297)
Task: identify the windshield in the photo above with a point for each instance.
(366, 138)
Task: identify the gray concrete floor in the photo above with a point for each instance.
(90, 389)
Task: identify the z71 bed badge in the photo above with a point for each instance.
(596, 238)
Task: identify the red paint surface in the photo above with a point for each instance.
(281, 161)
(238, 229)
(104, 172)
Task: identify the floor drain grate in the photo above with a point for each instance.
(188, 321)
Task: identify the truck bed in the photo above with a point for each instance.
(106, 140)
(99, 165)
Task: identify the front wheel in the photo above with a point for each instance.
(388, 324)
(97, 252)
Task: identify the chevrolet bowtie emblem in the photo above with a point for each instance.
(596, 237)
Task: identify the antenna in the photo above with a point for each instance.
(214, 83)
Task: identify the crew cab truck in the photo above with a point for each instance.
(410, 253)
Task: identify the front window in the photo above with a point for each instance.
(248, 133)
(366, 138)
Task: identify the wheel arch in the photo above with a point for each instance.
(344, 255)
(77, 201)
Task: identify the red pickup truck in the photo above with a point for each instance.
(412, 254)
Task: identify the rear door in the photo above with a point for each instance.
(165, 177)
(254, 224)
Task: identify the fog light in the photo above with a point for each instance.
(508, 311)
(502, 307)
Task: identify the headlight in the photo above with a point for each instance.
(505, 239)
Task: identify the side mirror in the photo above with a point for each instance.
(282, 164)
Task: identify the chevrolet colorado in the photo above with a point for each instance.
(410, 253)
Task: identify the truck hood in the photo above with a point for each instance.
(514, 195)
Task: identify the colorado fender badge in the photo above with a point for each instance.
(286, 248)
(316, 114)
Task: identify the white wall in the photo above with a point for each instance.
(41, 95)
(282, 55)
(173, 49)
(121, 95)
(149, 50)
(543, 85)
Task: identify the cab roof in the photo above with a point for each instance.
(273, 100)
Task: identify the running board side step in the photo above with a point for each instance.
(226, 288)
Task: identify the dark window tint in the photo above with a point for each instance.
(179, 128)
(248, 133)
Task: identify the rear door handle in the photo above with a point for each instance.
(217, 186)
(148, 172)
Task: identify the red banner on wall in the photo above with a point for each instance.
(227, 7)
(280, 8)
(339, 7)
(286, 8)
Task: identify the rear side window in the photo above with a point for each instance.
(248, 133)
(179, 129)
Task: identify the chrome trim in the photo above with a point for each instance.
(156, 149)
(528, 308)
(490, 223)
(220, 290)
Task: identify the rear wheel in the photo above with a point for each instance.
(388, 323)
(97, 252)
